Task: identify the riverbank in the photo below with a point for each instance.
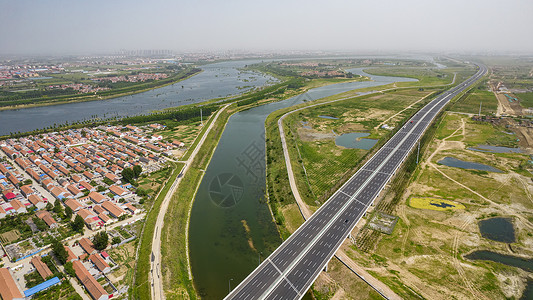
(86, 98)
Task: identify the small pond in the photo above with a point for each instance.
(495, 149)
(305, 125)
(497, 229)
(328, 117)
(457, 163)
(354, 140)
(509, 260)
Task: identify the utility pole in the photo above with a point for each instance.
(479, 114)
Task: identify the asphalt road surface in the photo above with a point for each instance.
(290, 270)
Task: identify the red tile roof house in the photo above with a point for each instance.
(27, 190)
(37, 201)
(47, 218)
(74, 191)
(18, 206)
(130, 208)
(60, 193)
(41, 267)
(100, 264)
(85, 185)
(105, 218)
(71, 256)
(117, 190)
(113, 209)
(90, 218)
(92, 286)
(111, 177)
(8, 287)
(8, 195)
(97, 197)
(99, 209)
(73, 204)
(87, 246)
(2, 213)
(89, 175)
(76, 178)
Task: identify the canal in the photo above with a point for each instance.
(231, 229)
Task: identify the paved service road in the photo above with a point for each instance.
(290, 270)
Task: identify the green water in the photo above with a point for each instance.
(231, 228)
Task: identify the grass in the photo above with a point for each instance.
(471, 101)
(175, 269)
(526, 99)
(141, 289)
(325, 162)
(424, 238)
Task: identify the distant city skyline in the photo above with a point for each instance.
(81, 27)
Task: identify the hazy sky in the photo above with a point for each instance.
(76, 26)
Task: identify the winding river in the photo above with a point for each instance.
(231, 229)
(217, 80)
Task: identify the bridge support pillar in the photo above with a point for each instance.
(326, 267)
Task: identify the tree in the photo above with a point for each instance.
(115, 240)
(137, 170)
(70, 269)
(100, 240)
(58, 208)
(49, 206)
(78, 224)
(128, 175)
(68, 212)
(41, 225)
(59, 251)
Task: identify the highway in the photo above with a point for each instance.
(291, 269)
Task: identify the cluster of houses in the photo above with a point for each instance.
(81, 168)
(88, 266)
(133, 78)
(80, 87)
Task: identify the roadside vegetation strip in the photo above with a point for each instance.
(141, 286)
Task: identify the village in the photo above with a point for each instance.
(72, 194)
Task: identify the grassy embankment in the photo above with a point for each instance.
(113, 93)
(140, 289)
